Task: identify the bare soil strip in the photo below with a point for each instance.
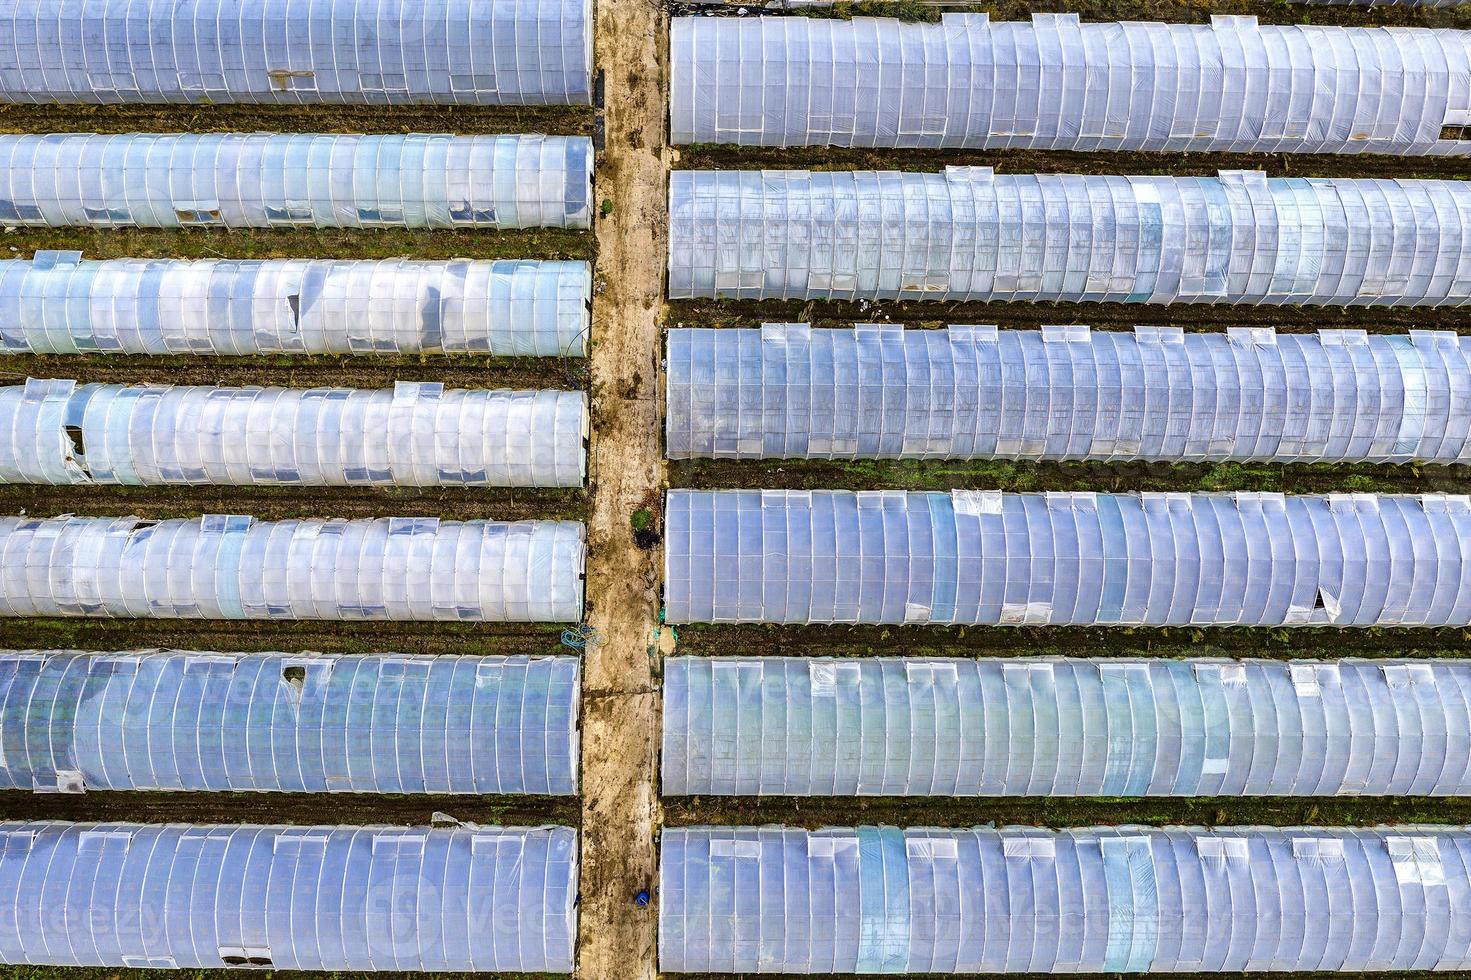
(269, 636)
(821, 640)
(1024, 476)
(620, 706)
(461, 120)
(291, 808)
(727, 157)
(1199, 318)
(521, 373)
(284, 503)
(1056, 812)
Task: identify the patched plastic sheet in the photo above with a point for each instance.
(263, 180)
(1053, 83)
(289, 898)
(415, 434)
(1097, 900)
(975, 557)
(449, 52)
(175, 720)
(971, 234)
(786, 391)
(57, 303)
(1053, 726)
(230, 567)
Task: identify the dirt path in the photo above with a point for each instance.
(620, 706)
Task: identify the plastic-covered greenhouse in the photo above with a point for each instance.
(1232, 85)
(465, 898)
(1097, 900)
(59, 304)
(263, 180)
(228, 567)
(415, 434)
(466, 52)
(174, 720)
(971, 234)
(1148, 559)
(1065, 392)
(893, 726)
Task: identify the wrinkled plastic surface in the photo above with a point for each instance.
(971, 234)
(1053, 83)
(1098, 900)
(455, 52)
(787, 391)
(291, 898)
(415, 434)
(229, 567)
(60, 304)
(176, 720)
(919, 726)
(263, 180)
(1014, 559)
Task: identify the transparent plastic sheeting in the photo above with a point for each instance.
(1096, 900)
(465, 898)
(970, 234)
(415, 434)
(171, 720)
(892, 726)
(464, 52)
(59, 304)
(264, 180)
(226, 567)
(990, 558)
(1053, 83)
(787, 391)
